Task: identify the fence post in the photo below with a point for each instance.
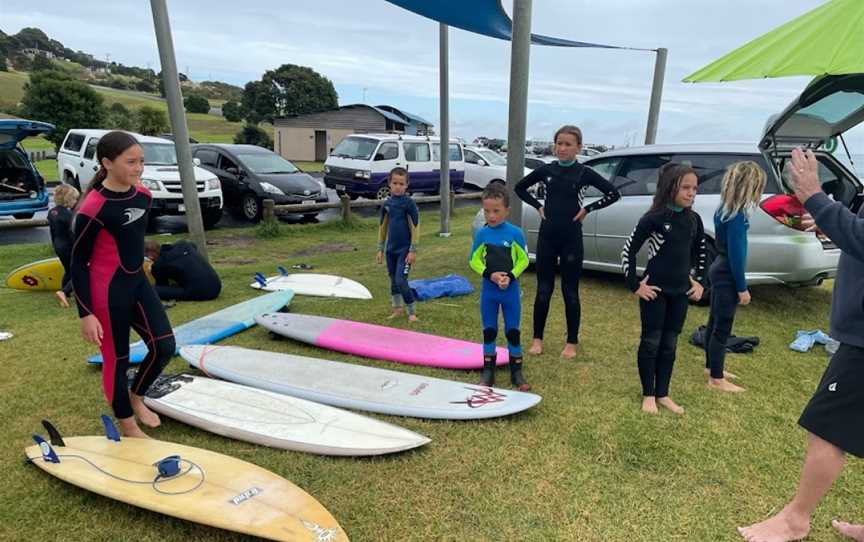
(346, 208)
(267, 214)
(452, 204)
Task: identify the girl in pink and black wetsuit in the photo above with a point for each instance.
(112, 291)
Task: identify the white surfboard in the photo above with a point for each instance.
(355, 386)
(313, 284)
(275, 420)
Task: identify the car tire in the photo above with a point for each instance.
(310, 216)
(23, 216)
(251, 207)
(383, 192)
(211, 217)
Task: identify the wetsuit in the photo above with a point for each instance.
(500, 249)
(676, 246)
(182, 263)
(727, 281)
(60, 223)
(397, 236)
(560, 237)
(109, 282)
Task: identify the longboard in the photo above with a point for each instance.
(47, 275)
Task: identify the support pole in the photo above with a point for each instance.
(177, 116)
(520, 52)
(656, 97)
(444, 135)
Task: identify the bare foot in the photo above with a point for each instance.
(855, 532)
(147, 416)
(784, 527)
(671, 405)
(413, 318)
(536, 347)
(569, 351)
(61, 297)
(395, 313)
(649, 404)
(724, 385)
(726, 374)
(129, 428)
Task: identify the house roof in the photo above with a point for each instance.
(409, 116)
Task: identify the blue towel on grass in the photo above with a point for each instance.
(805, 340)
(447, 286)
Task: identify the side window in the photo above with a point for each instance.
(225, 163)
(638, 175)
(90, 151)
(710, 168)
(208, 158)
(387, 151)
(471, 157)
(454, 149)
(74, 142)
(416, 152)
(605, 168)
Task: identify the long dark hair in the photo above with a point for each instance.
(669, 178)
(110, 146)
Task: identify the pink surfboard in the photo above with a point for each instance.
(378, 342)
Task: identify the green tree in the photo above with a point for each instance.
(232, 111)
(120, 117)
(253, 135)
(41, 63)
(3, 66)
(152, 121)
(288, 90)
(55, 97)
(195, 103)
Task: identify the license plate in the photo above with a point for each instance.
(340, 187)
(307, 202)
(181, 208)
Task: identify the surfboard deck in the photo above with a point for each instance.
(379, 342)
(275, 420)
(215, 326)
(215, 489)
(314, 284)
(357, 387)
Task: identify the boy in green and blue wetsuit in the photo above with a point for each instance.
(500, 255)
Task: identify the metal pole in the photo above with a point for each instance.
(656, 96)
(178, 123)
(444, 135)
(520, 53)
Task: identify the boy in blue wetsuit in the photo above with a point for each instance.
(397, 240)
(500, 255)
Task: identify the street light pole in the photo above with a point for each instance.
(656, 96)
(444, 136)
(520, 52)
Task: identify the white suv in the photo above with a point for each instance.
(484, 166)
(77, 163)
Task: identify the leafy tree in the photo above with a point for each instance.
(232, 111)
(120, 117)
(3, 66)
(152, 121)
(41, 63)
(288, 90)
(253, 135)
(195, 103)
(55, 97)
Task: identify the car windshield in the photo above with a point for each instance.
(267, 163)
(493, 158)
(359, 148)
(159, 154)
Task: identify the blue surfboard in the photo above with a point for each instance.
(216, 326)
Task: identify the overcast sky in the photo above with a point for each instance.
(374, 48)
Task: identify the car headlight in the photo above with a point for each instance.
(213, 184)
(362, 174)
(269, 188)
(326, 169)
(151, 184)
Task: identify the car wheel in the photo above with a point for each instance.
(76, 183)
(383, 192)
(23, 216)
(211, 218)
(250, 206)
(310, 216)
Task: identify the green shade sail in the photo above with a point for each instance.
(826, 40)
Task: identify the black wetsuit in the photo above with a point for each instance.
(182, 263)
(109, 282)
(560, 236)
(60, 223)
(676, 246)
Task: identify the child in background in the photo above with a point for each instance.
(740, 193)
(397, 241)
(676, 244)
(60, 223)
(500, 255)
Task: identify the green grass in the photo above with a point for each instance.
(48, 169)
(584, 465)
(309, 167)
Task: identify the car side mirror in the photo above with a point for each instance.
(379, 157)
(196, 161)
(481, 163)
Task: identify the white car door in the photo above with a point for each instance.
(87, 166)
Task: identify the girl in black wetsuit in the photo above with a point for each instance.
(112, 292)
(60, 222)
(560, 236)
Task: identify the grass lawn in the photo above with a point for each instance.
(48, 169)
(586, 464)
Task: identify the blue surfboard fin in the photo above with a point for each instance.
(282, 271)
(48, 454)
(110, 431)
(260, 279)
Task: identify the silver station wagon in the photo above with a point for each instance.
(779, 251)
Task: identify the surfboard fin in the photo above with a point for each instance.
(282, 271)
(111, 432)
(53, 433)
(48, 454)
(260, 279)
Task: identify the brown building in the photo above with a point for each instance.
(311, 137)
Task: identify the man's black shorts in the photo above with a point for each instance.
(835, 411)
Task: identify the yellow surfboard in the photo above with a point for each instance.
(210, 488)
(47, 275)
